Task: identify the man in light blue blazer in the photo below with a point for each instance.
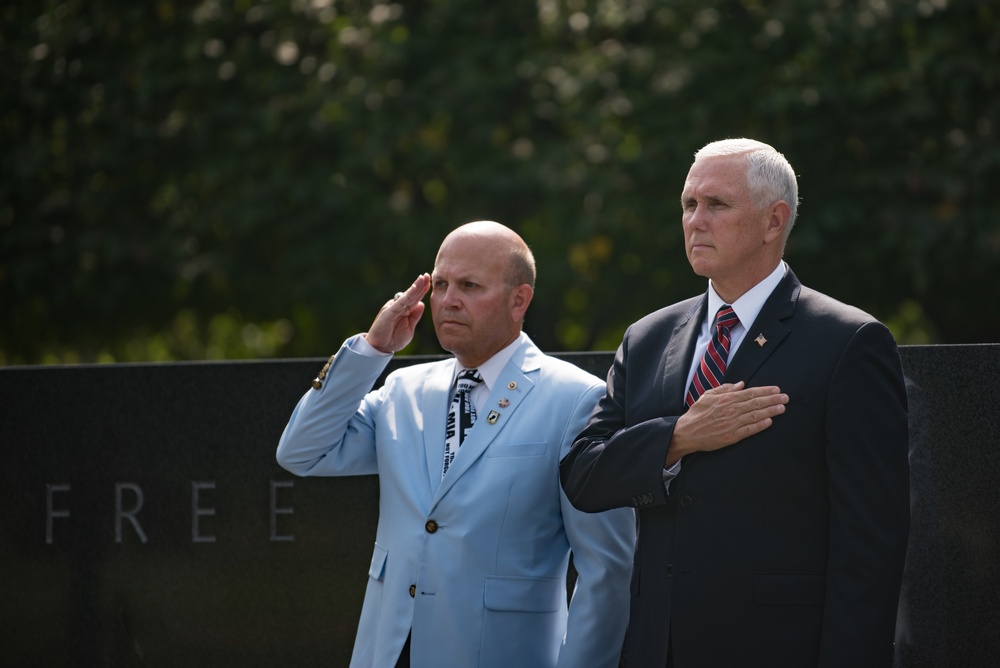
(473, 540)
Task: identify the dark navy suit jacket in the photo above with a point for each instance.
(787, 548)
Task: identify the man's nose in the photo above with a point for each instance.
(694, 218)
(449, 298)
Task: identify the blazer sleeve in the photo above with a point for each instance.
(602, 546)
(615, 462)
(866, 451)
(332, 430)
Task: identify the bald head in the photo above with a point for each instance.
(503, 241)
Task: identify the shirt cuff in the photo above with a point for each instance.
(358, 344)
(669, 474)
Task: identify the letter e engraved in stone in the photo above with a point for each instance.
(275, 511)
(197, 511)
(50, 512)
(129, 514)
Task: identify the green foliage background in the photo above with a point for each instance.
(254, 178)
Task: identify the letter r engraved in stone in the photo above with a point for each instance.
(129, 514)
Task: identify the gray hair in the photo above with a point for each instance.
(770, 177)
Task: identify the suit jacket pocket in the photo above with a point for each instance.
(519, 594)
(377, 568)
(498, 449)
(789, 588)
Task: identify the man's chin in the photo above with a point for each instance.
(700, 267)
(447, 339)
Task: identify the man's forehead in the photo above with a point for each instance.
(462, 268)
(718, 177)
(468, 256)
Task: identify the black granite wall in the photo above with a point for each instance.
(144, 521)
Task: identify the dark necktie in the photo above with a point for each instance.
(461, 415)
(712, 369)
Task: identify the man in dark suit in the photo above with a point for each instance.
(773, 513)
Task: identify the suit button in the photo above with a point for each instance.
(431, 526)
(670, 570)
(686, 501)
(413, 590)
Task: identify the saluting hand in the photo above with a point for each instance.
(397, 319)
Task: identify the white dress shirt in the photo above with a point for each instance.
(747, 307)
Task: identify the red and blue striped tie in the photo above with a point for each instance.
(712, 369)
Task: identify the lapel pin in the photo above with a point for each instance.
(760, 340)
(504, 403)
(493, 417)
(511, 385)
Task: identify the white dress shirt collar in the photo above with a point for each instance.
(490, 369)
(748, 306)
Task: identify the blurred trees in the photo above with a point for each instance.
(254, 178)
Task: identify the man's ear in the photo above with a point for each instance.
(777, 221)
(520, 297)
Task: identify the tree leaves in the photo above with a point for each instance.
(286, 166)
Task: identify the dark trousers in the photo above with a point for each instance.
(404, 656)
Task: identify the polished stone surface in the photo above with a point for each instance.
(950, 604)
(145, 521)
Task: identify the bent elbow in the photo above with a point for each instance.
(284, 456)
(576, 491)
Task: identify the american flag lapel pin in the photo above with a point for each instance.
(760, 340)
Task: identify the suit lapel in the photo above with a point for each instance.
(435, 399)
(767, 332)
(678, 355)
(507, 395)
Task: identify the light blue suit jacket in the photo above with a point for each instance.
(474, 563)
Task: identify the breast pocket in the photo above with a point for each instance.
(517, 449)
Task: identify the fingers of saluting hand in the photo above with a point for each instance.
(402, 302)
(396, 320)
